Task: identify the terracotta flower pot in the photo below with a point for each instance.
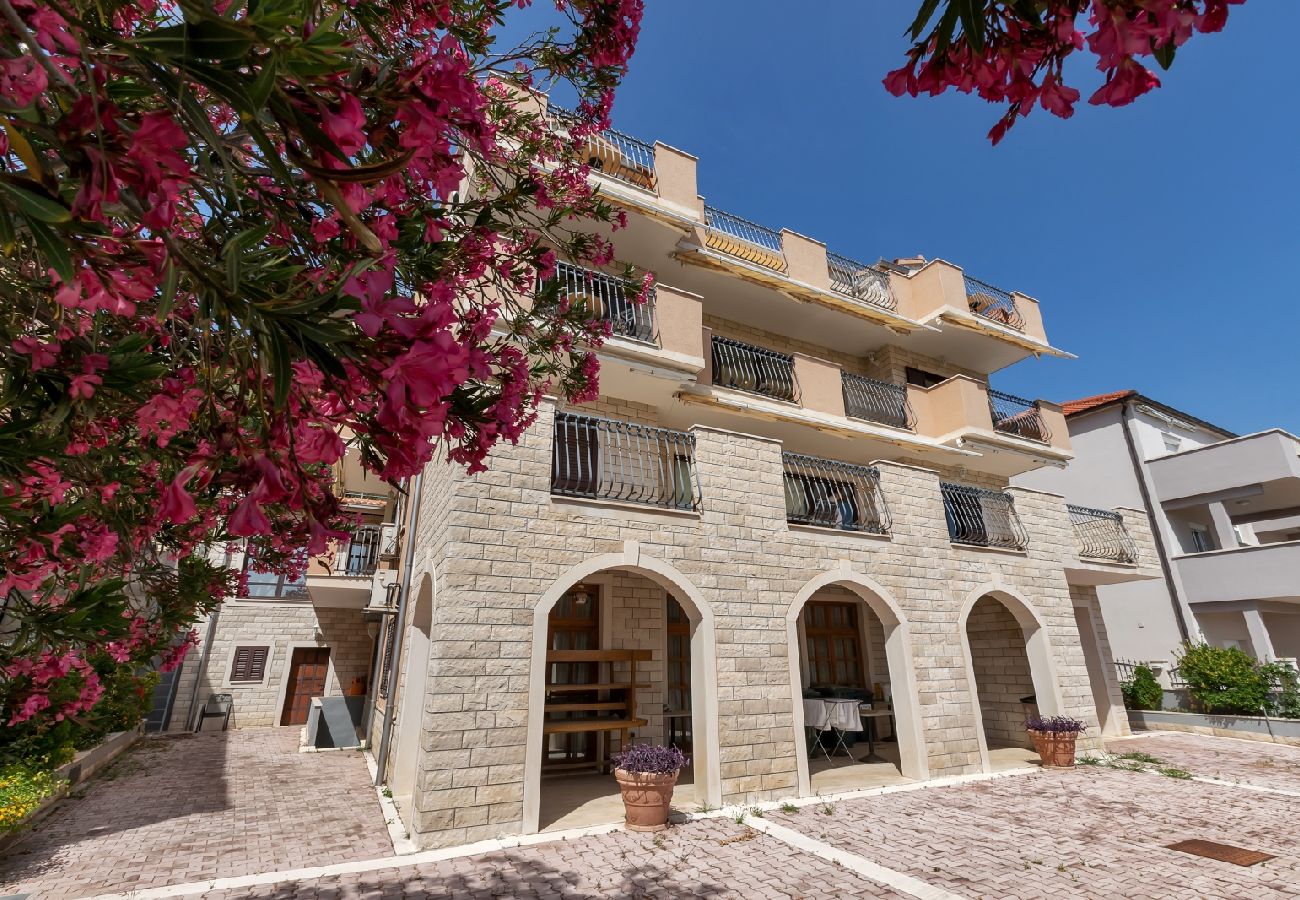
(646, 799)
(1055, 750)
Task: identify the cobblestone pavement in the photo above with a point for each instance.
(1245, 762)
(180, 808)
(1087, 832)
(706, 858)
(1091, 832)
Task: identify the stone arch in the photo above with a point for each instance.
(898, 654)
(403, 776)
(704, 692)
(1038, 649)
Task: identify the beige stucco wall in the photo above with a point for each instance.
(505, 542)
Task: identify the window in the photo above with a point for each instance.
(576, 461)
(249, 664)
(272, 585)
(922, 378)
(1200, 539)
(820, 501)
(834, 645)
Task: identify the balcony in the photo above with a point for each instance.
(1251, 573)
(877, 401)
(612, 153)
(860, 281)
(743, 239)
(607, 459)
(992, 303)
(1100, 534)
(359, 557)
(610, 299)
(1017, 416)
(832, 494)
(755, 370)
(982, 518)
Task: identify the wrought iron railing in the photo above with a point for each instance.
(743, 239)
(614, 153)
(993, 303)
(860, 281)
(606, 459)
(758, 370)
(833, 494)
(877, 401)
(983, 518)
(1018, 416)
(1101, 534)
(361, 554)
(610, 300)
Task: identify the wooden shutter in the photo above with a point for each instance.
(249, 664)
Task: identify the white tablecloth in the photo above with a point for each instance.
(823, 714)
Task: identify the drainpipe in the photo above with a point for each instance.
(408, 559)
(1157, 532)
(377, 669)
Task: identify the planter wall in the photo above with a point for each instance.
(1255, 728)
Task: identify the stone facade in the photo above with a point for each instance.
(280, 626)
(499, 549)
(1002, 673)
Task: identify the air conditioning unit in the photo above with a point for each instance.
(388, 539)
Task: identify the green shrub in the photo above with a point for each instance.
(1142, 691)
(1287, 702)
(1224, 679)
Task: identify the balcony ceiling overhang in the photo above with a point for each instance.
(971, 343)
(1089, 572)
(1001, 454)
(339, 591)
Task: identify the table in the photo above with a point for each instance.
(871, 714)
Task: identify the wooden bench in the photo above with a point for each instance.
(624, 709)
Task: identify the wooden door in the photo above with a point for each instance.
(307, 670)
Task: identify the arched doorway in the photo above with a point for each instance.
(622, 653)
(1011, 674)
(404, 769)
(848, 640)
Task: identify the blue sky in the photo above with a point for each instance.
(1160, 238)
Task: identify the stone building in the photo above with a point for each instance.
(792, 491)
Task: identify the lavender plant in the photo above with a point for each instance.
(650, 759)
(1055, 724)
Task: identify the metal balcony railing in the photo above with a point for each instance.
(981, 517)
(606, 459)
(743, 239)
(613, 153)
(877, 401)
(833, 494)
(993, 304)
(1101, 534)
(860, 281)
(361, 555)
(610, 300)
(757, 370)
(1018, 416)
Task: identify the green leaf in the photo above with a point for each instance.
(260, 90)
(7, 236)
(167, 290)
(36, 206)
(53, 247)
(1164, 54)
(972, 22)
(943, 31)
(217, 39)
(922, 18)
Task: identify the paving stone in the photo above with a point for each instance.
(183, 808)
